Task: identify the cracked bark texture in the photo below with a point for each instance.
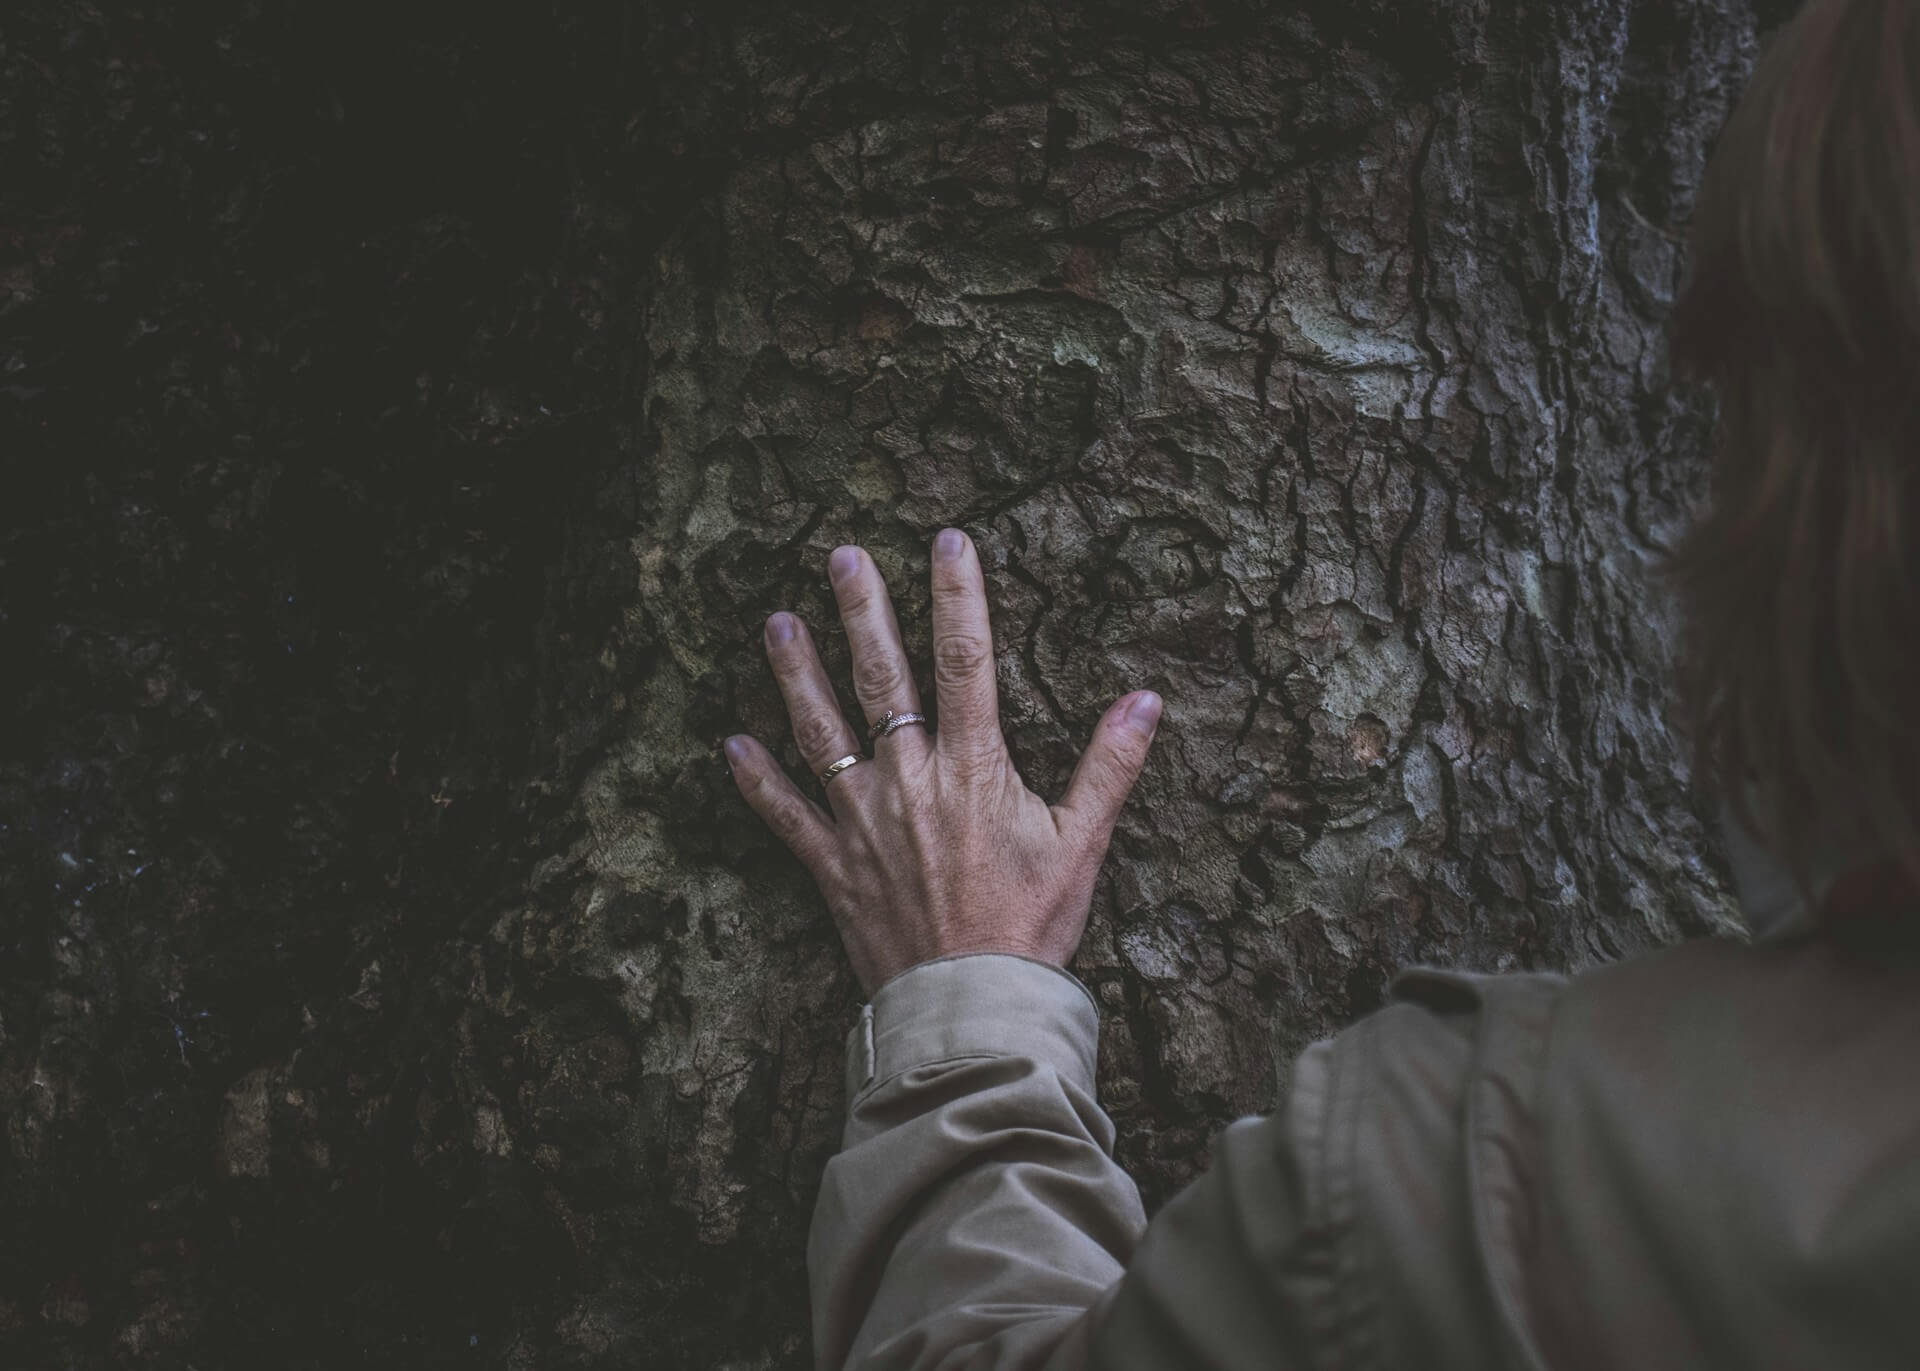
(413, 424)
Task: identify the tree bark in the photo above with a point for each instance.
(1303, 363)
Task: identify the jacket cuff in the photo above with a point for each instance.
(980, 1004)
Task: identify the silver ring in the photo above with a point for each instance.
(891, 722)
(840, 766)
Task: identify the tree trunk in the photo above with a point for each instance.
(1303, 363)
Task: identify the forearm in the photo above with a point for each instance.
(975, 1212)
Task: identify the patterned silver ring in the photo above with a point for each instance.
(840, 766)
(891, 722)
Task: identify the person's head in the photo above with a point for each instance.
(1800, 664)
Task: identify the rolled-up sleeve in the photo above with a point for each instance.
(975, 1207)
(976, 1218)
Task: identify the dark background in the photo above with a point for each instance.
(299, 394)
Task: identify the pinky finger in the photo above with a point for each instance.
(797, 821)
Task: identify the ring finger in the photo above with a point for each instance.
(881, 679)
(819, 728)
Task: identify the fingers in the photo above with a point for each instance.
(797, 821)
(1108, 768)
(819, 727)
(963, 651)
(882, 680)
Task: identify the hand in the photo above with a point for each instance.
(935, 846)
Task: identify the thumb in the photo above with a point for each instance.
(1108, 768)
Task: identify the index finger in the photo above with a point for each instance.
(963, 676)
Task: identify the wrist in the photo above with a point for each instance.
(975, 1004)
(1037, 950)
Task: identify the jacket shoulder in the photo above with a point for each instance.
(1429, 1114)
(1699, 1156)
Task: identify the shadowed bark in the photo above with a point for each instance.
(413, 420)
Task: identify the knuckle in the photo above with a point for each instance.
(784, 818)
(816, 733)
(958, 654)
(758, 789)
(776, 799)
(879, 678)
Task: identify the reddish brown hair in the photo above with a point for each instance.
(1801, 582)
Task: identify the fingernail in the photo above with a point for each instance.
(949, 544)
(736, 747)
(841, 565)
(1144, 712)
(780, 627)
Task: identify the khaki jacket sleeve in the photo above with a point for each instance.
(976, 1218)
